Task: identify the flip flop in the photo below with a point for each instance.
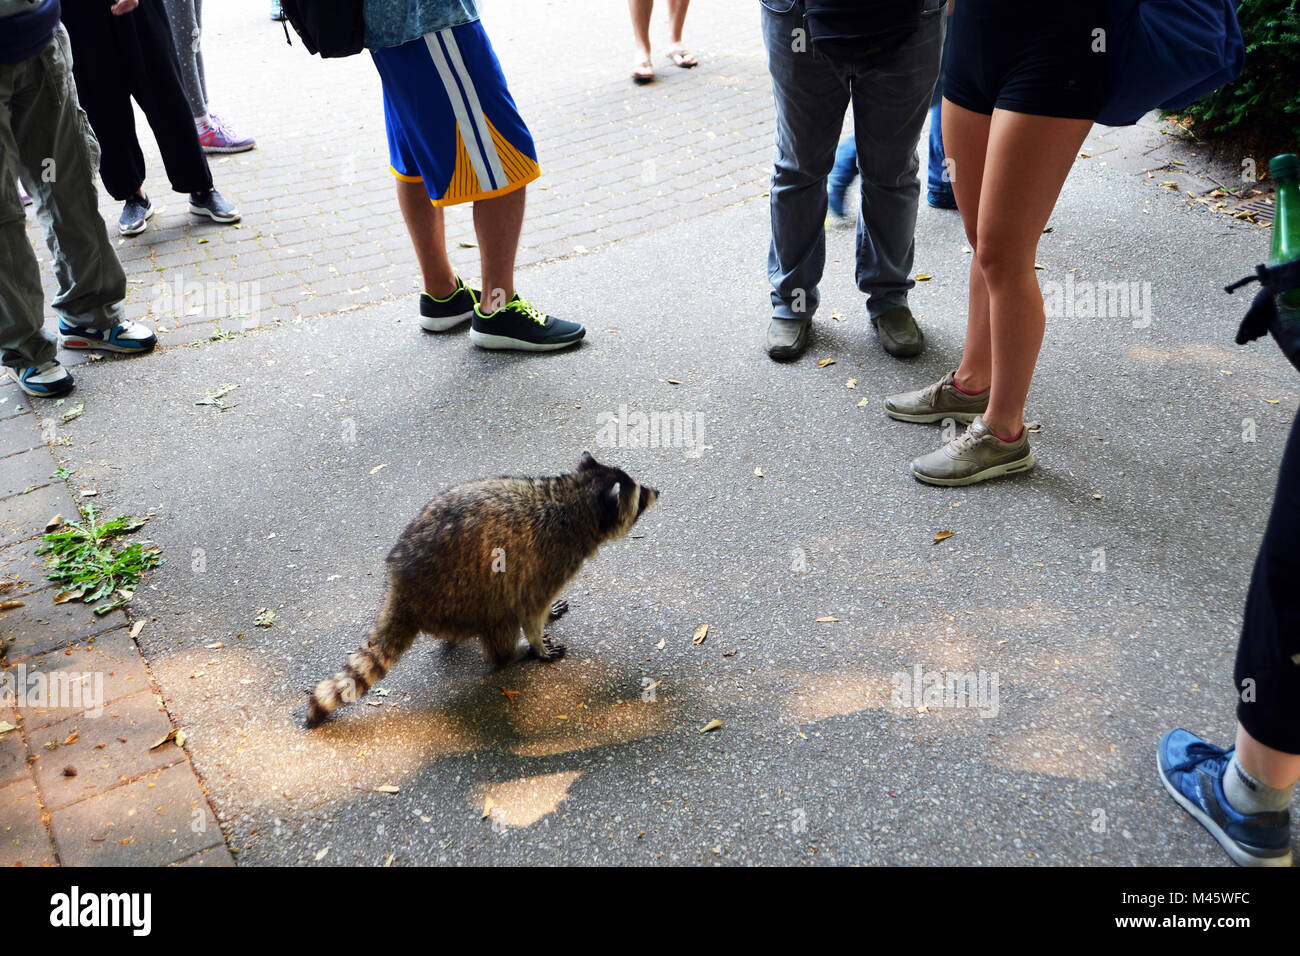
(643, 73)
(683, 58)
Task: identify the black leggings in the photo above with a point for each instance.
(115, 58)
(1269, 653)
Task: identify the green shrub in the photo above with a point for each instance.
(1265, 99)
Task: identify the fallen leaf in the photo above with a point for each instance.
(71, 739)
(673, 381)
(1098, 497)
(73, 412)
(215, 646)
(862, 404)
(759, 472)
(828, 619)
(171, 735)
(321, 855)
(467, 245)
(823, 363)
(136, 628)
(387, 788)
(662, 642)
(711, 725)
(942, 536)
(265, 618)
(923, 277)
(837, 316)
(180, 738)
(6, 727)
(510, 695)
(58, 519)
(701, 633)
(10, 605)
(378, 468)
(851, 383)
(488, 804)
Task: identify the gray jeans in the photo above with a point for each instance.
(890, 98)
(46, 142)
(186, 19)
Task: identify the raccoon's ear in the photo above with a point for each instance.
(587, 462)
(607, 506)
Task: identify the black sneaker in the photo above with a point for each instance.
(439, 315)
(519, 325)
(135, 214)
(213, 205)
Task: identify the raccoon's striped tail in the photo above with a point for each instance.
(365, 667)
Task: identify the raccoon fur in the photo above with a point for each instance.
(484, 560)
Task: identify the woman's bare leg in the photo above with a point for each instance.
(966, 138)
(1273, 768)
(1026, 163)
(640, 10)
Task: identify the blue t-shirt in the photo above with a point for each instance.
(394, 22)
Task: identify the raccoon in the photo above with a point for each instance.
(485, 559)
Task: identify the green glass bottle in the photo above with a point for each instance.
(1285, 170)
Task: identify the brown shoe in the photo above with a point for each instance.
(936, 402)
(975, 455)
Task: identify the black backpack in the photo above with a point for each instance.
(853, 32)
(331, 28)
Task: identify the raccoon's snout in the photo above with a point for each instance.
(648, 497)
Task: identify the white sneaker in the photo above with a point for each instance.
(43, 381)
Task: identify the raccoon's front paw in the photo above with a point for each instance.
(553, 649)
(559, 609)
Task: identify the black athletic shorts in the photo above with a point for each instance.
(1043, 57)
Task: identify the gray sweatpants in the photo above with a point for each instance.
(186, 19)
(46, 142)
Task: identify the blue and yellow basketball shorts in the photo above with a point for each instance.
(451, 121)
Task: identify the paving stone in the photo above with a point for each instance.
(159, 819)
(24, 516)
(117, 670)
(40, 625)
(25, 470)
(21, 571)
(19, 433)
(106, 751)
(24, 838)
(13, 750)
(213, 856)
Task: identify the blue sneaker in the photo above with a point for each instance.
(1192, 771)
(127, 337)
(941, 198)
(44, 381)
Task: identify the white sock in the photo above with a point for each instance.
(1249, 795)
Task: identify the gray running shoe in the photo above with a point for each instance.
(975, 455)
(936, 402)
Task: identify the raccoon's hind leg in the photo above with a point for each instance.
(501, 645)
(558, 610)
(546, 648)
(392, 634)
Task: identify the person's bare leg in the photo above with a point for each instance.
(1027, 161)
(498, 223)
(640, 11)
(1273, 768)
(966, 138)
(676, 20)
(424, 223)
